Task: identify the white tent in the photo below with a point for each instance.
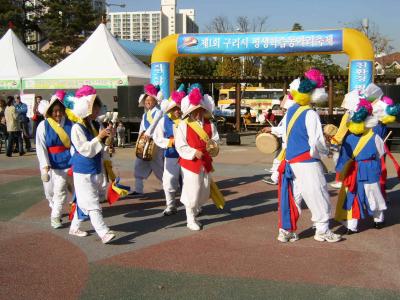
(101, 62)
(17, 62)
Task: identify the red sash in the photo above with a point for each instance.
(197, 143)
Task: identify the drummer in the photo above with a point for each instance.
(164, 138)
(142, 169)
(195, 161)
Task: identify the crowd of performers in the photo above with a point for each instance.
(177, 140)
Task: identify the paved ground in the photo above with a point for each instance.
(236, 256)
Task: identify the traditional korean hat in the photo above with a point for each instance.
(195, 99)
(310, 88)
(153, 91)
(84, 100)
(45, 105)
(174, 100)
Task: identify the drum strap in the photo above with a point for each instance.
(174, 119)
(149, 117)
(60, 132)
(341, 213)
(198, 129)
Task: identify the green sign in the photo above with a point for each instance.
(10, 84)
(99, 83)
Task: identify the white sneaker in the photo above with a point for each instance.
(195, 226)
(108, 237)
(55, 223)
(286, 236)
(336, 185)
(328, 236)
(78, 232)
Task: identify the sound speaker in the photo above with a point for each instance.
(233, 138)
(128, 99)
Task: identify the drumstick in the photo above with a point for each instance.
(270, 123)
(389, 134)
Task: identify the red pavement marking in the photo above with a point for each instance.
(25, 172)
(39, 265)
(247, 248)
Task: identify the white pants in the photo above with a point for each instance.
(274, 170)
(376, 203)
(171, 180)
(143, 169)
(195, 191)
(56, 190)
(310, 185)
(87, 189)
(121, 141)
(96, 218)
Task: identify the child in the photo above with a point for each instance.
(359, 165)
(195, 161)
(87, 139)
(164, 138)
(53, 143)
(150, 119)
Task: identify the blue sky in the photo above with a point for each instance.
(311, 14)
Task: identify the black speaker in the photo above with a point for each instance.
(233, 138)
(128, 110)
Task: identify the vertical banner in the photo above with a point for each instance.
(160, 76)
(361, 74)
(29, 100)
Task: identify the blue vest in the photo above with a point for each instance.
(169, 132)
(369, 167)
(85, 165)
(145, 121)
(381, 130)
(60, 160)
(298, 139)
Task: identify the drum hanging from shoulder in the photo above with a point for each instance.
(267, 143)
(145, 149)
(212, 148)
(330, 130)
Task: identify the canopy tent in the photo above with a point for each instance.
(17, 62)
(101, 62)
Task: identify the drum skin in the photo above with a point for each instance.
(267, 143)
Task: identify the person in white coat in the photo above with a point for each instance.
(53, 149)
(152, 115)
(195, 161)
(164, 138)
(301, 173)
(87, 138)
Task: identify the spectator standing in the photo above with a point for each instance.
(13, 127)
(121, 135)
(21, 109)
(37, 116)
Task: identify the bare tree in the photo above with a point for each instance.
(219, 24)
(381, 43)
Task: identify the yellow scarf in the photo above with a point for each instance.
(342, 214)
(60, 132)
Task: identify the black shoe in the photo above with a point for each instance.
(21, 153)
(350, 232)
(134, 193)
(9, 155)
(379, 225)
(268, 180)
(170, 212)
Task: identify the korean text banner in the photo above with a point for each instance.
(261, 43)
